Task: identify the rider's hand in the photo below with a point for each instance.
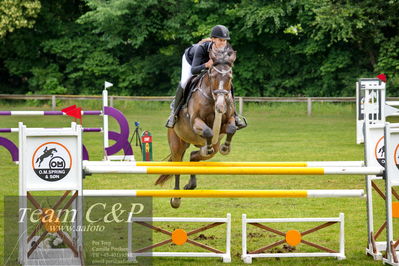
(209, 64)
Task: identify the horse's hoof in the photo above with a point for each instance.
(224, 149)
(190, 187)
(175, 202)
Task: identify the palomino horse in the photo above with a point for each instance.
(209, 115)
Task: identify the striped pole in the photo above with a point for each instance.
(204, 170)
(227, 193)
(38, 113)
(86, 129)
(230, 164)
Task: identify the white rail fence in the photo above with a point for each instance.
(240, 100)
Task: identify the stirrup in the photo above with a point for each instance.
(241, 122)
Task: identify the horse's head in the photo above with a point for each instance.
(220, 76)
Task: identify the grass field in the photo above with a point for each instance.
(276, 132)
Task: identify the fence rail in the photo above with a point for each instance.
(241, 100)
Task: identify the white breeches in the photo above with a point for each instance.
(185, 72)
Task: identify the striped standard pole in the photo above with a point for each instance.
(230, 164)
(228, 193)
(38, 113)
(85, 129)
(205, 170)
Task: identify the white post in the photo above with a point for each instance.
(53, 102)
(130, 239)
(22, 202)
(240, 105)
(227, 258)
(389, 174)
(111, 101)
(342, 236)
(105, 121)
(391, 179)
(309, 106)
(244, 256)
(105, 117)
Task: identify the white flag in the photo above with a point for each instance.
(108, 84)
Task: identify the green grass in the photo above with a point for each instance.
(276, 132)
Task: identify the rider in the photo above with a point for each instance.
(196, 59)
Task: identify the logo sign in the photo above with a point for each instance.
(379, 152)
(51, 161)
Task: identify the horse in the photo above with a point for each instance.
(206, 118)
(46, 153)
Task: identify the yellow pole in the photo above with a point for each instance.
(226, 164)
(164, 170)
(223, 193)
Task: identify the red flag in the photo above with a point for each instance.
(69, 108)
(77, 113)
(382, 77)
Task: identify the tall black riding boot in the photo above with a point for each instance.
(241, 121)
(175, 107)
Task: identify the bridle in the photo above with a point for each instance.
(223, 72)
(216, 93)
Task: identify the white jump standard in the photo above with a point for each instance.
(66, 169)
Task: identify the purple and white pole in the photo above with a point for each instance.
(86, 129)
(38, 113)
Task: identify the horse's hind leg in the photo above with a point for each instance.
(192, 183)
(178, 148)
(175, 202)
(196, 156)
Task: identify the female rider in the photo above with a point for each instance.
(195, 59)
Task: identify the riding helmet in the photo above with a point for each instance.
(220, 31)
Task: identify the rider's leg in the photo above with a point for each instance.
(175, 106)
(179, 99)
(241, 122)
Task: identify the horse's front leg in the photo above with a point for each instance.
(230, 129)
(201, 129)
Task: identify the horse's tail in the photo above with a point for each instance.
(163, 178)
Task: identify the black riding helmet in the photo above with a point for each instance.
(220, 31)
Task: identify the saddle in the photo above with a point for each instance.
(191, 87)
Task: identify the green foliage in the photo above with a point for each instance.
(284, 48)
(16, 14)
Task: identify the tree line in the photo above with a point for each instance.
(284, 47)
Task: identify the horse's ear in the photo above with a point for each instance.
(232, 56)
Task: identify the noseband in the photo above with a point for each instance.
(223, 72)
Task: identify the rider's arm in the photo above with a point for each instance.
(201, 56)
